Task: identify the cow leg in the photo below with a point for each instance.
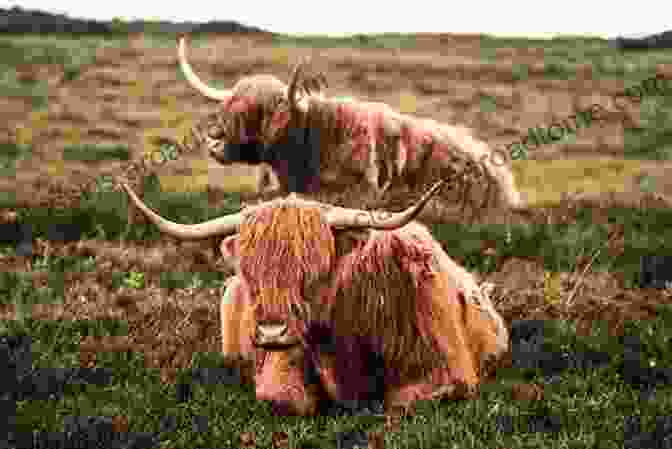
(443, 383)
(488, 337)
(236, 314)
(280, 379)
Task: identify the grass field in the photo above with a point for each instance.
(591, 405)
(588, 408)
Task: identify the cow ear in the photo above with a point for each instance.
(229, 249)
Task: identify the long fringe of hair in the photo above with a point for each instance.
(284, 246)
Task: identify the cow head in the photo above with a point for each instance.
(284, 251)
(283, 248)
(255, 113)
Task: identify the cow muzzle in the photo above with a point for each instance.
(273, 336)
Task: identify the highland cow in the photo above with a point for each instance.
(320, 291)
(348, 152)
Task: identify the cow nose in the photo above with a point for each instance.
(271, 330)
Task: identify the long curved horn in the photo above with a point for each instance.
(225, 225)
(195, 81)
(293, 86)
(292, 89)
(354, 218)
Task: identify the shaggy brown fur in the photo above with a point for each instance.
(380, 277)
(285, 247)
(245, 117)
(379, 295)
(383, 147)
(392, 150)
(256, 102)
(369, 141)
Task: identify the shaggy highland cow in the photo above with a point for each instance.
(348, 153)
(320, 292)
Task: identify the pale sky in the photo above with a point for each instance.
(505, 17)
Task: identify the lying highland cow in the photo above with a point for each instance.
(321, 291)
(344, 152)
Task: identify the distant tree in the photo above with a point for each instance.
(118, 25)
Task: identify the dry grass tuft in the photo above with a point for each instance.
(545, 181)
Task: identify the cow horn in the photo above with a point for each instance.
(354, 218)
(196, 83)
(293, 86)
(216, 227)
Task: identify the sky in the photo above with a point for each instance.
(531, 18)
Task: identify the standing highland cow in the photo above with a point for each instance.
(321, 291)
(347, 152)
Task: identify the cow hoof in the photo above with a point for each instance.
(399, 410)
(455, 392)
(282, 408)
(290, 408)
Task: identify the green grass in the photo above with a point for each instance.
(17, 288)
(653, 140)
(558, 246)
(90, 153)
(11, 86)
(385, 40)
(103, 214)
(566, 52)
(520, 72)
(70, 52)
(561, 58)
(590, 404)
(562, 54)
(487, 103)
(9, 154)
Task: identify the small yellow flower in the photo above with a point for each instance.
(183, 130)
(199, 166)
(56, 168)
(552, 287)
(151, 151)
(39, 119)
(181, 183)
(136, 89)
(72, 135)
(169, 101)
(408, 103)
(170, 117)
(24, 136)
(280, 55)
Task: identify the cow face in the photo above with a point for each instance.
(285, 294)
(280, 379)
(289, 158)
(285, 256)
(286, 291)
(254, 121)
(236, 134)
